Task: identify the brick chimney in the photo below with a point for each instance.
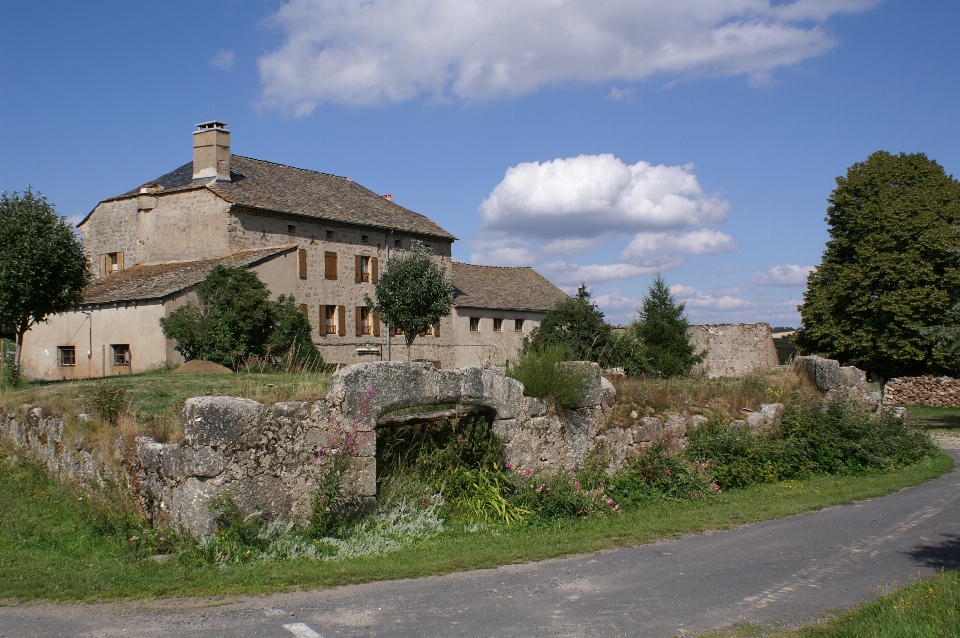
(211, 151)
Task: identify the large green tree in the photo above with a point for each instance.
(43, 270)
(413, 293)
(234, 319)
(890, 271)
(576, 325)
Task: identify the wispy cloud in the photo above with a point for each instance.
(785, 275)
(474, 50)
(224, 59)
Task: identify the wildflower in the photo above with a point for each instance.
(528, 473)
(576, 484)
(508, 465)
(669, 473)
(609, 501)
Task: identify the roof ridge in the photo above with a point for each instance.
(306, 170)
(463, 263)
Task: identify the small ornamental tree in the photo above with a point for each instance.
(661, 332)
(576, 326)
(884, 296)
(43, 270)
(413, 293)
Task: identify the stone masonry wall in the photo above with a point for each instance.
(942, 392)
(733, 349)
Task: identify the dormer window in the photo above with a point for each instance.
(110, 263)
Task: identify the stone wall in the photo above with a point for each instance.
(733, 349)
(264, 457)
(941, 392)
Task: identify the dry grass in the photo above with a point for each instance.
(722, 399)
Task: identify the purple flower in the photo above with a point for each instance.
(508, 466)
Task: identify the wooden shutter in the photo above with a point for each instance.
(359, 261)
(342, 320)
(359, 325)
(330, 265)
(306, 311)
(302, 262)
(374, 276)
(103, 265)
(376, 323)
(323, 320)
(119, 262)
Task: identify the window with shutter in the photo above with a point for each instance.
(342, 320)
(376, 323)
(302, 263)
(330, 265)
(374, 275)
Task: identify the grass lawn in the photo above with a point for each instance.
(922, 416)
(48, 552)
(927, 608)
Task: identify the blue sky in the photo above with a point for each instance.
(597, 142)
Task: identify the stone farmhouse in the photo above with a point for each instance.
(319, 237)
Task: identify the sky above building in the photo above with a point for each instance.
(599, 142)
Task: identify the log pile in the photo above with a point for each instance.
(941, 392)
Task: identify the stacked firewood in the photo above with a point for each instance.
(941, 392)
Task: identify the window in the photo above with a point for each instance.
(121, 354)
(368, 323)
(302, 263)
(110, 263)
(498, 325)
(330, 265)
(474, 324)
(66, 356)
(518, 325)
(396, 243)
(329, 314)
(291, 228)
(364, 239)
(365, 269)
(329, 234)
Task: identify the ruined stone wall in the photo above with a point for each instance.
(941, 392)
(733, 349)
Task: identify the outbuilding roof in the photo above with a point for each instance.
(503, 288)
(141, 283)
(258, 184)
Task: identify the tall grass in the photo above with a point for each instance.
(542, 375)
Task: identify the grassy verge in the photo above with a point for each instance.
(163, 391)
(928, 608)
(49, 551)
(922, 416)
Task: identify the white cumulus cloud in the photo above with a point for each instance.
(394, 50)
(785, 275)
(658, 248)
(592, 194)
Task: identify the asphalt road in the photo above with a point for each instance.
(789, 571)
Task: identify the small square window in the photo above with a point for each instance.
(498, 325)
(396, 243)
(291, 228)
(518, 325)
(329, 234)
(121, 354)
(474, 324)
(66, 356)
(364, 239)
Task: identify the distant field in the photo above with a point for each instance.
(922, 416)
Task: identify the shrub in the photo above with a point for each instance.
(543, 377)
(660, 473)
(576, 327)
(569, 494)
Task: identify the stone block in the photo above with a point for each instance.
(698, 420)
(851, 377)
(755, 421)
(178, 462)
(262, 493)
(448, 385)
(772, 413)
(595, 393)
(360, 479)
(225, 422)
(647, 429)
(823, 373)
(190, 507)
(674, 427)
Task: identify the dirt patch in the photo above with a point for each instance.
(947, 441)
(202, 367)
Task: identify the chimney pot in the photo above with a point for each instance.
(211, 151)
(388, 197)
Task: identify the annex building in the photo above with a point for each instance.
(318, 237)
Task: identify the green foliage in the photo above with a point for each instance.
(413, 293)
(43, 270)
(235, 320)
(572, 494)
(661, 473)
(890, 269)
(661, 334)
(839, 438)
(544, 375)
(575, 326)
(105, 401)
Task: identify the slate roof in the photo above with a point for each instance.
(140, 283)
(264, 185)
(503, 288)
